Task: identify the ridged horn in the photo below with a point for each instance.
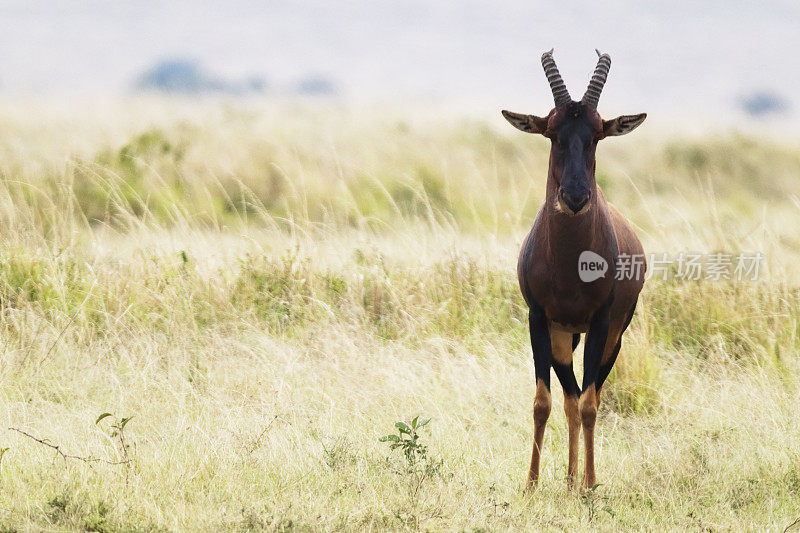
(560, 93)
(592, 95)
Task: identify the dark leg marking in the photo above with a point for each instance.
(540, 344)
(566, 376)
(605, 369)
(595, 344)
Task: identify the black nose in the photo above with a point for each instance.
(575, 201)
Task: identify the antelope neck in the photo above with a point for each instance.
(569, 235)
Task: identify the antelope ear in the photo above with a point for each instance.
(622, 124)
(526, 123)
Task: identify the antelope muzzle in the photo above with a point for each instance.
(575, 199)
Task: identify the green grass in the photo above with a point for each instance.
(268, 291)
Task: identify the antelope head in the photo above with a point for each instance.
(574, 128)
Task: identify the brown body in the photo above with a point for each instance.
(575, 218)
(548, 276)
(547, 266)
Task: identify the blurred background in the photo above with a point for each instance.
(719, 62)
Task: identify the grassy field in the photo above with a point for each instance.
(256, 295)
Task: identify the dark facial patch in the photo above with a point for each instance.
(576, 121)
(574, 133)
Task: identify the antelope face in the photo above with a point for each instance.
(573, 131)
(574, 128)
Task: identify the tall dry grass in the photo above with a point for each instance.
(267, 290)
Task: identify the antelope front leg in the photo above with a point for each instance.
(587, 405)
(542, 357)
(541, 412)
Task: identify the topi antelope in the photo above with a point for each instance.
(574, 225)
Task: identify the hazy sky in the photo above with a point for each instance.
(679, 54)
